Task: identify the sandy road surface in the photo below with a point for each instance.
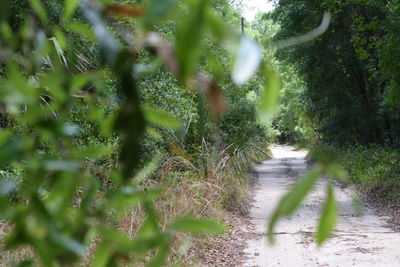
(357, 241)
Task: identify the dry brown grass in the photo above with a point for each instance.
(206, 191)
(191, 191)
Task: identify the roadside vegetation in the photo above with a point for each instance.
(375, 170)
(341, 93)
(126, 136)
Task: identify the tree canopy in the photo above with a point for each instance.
(350, 73)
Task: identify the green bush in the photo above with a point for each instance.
(376, 170)
(89, 91)
(349, 89)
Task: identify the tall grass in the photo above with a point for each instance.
(207, 184)
(204, 185)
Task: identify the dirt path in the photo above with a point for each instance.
(357, 241)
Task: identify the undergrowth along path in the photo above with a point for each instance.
(357, 241)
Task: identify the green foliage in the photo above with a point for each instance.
(188, 47)
(290, 120)
(160, 118)
(328, 217)
(270, 96)
(375, 170)
(292, 200)
(82, 102)
(349, 73)
(339, 88)
(240, 125)
(196, 226)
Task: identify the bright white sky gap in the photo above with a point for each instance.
(252, 7)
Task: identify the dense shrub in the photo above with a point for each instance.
(376, 170)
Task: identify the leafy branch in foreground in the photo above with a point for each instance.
(57, 205)
(293, 199)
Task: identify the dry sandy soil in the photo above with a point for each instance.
(357, 241)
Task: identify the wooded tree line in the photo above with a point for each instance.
(341, 94)
(348, 89)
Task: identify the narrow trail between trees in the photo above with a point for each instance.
(356, 241)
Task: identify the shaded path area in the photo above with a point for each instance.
(356, 241)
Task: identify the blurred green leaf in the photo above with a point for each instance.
(292, 200)
(39, 9)
(328, 217)
(60, 165)
(78, 81)
(130, 196)
(247, 60)
(148, 169)
(270, 94)
(95, 151)
(102, 255)
(62, 195)
(7, 187)
(153, 132)
(150, 227)
(12, 150)
(156, 10)
(338, 172)
(122, 243)
(60, 37)
(161, 256)
(109, 47)
(7, 33)
(188, 39)
(357, 203)
(68, 243)
(192, 225)
(160, 118)
(82, 29)
(220, 29)
(69, 8)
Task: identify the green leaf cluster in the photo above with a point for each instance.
(75, 121)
